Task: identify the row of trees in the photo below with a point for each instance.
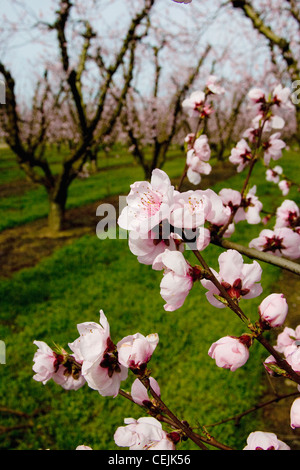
(91, 96)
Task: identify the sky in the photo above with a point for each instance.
(20, 51)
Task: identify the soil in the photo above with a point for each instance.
(24, 246)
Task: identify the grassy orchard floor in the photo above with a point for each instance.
(47, 301)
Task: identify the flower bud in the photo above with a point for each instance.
(229, 352)
(273, 310)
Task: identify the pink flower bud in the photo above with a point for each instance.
(229, 353)
(295, 414)
(273, 310)
(139, 392)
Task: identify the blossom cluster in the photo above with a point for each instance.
(95, 359)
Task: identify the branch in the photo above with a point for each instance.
(269, 34)
(252, 253)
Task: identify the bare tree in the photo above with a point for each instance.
(30, 148)
(276, 39)
(163, 124)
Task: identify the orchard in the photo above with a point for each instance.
(171, 312)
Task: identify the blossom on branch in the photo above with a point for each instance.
(139, 392)
(273, 148)
(143, 434)
(148, 203)
(288, 215)
(260, 440)
(147, 249)
(281, 241)
(212, 84)
(178, 278)
(273, 174)
(100, 367)
(250, 208)
(197, 158)
(284, 187)
(241, 155)
(240, 280)
(63, 368)
(135, 351)
(273, 310)
(229, 352)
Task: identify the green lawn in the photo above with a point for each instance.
(46, 302)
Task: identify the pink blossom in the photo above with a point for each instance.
(213, 85)
(230, 197)
(194, 104)
(252, 133)
(177, 279)
(147, 203)
(273, 310)
(147, 249)
(281, 96)
(260, 440)
(281, 241)
(45, 362)
(287, 215)
(57, 366)
(135, 351)
(273, 174)
(284, 187)
(219, 213)
(270, 122)
(197, 158)
(240, 280)
(292, 355)
(83, 447)
(285, 339)
(100, 366)
(143, 434)
(139, 392)
(229, 353)
(295, 414)
(189, 140)
(190, 209)
(257, 95)
(182, 1)
(273, 148)
(250, 210)
(241, 155)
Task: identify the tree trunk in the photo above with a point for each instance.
(56, 215)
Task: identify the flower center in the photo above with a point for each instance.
(110, 358)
